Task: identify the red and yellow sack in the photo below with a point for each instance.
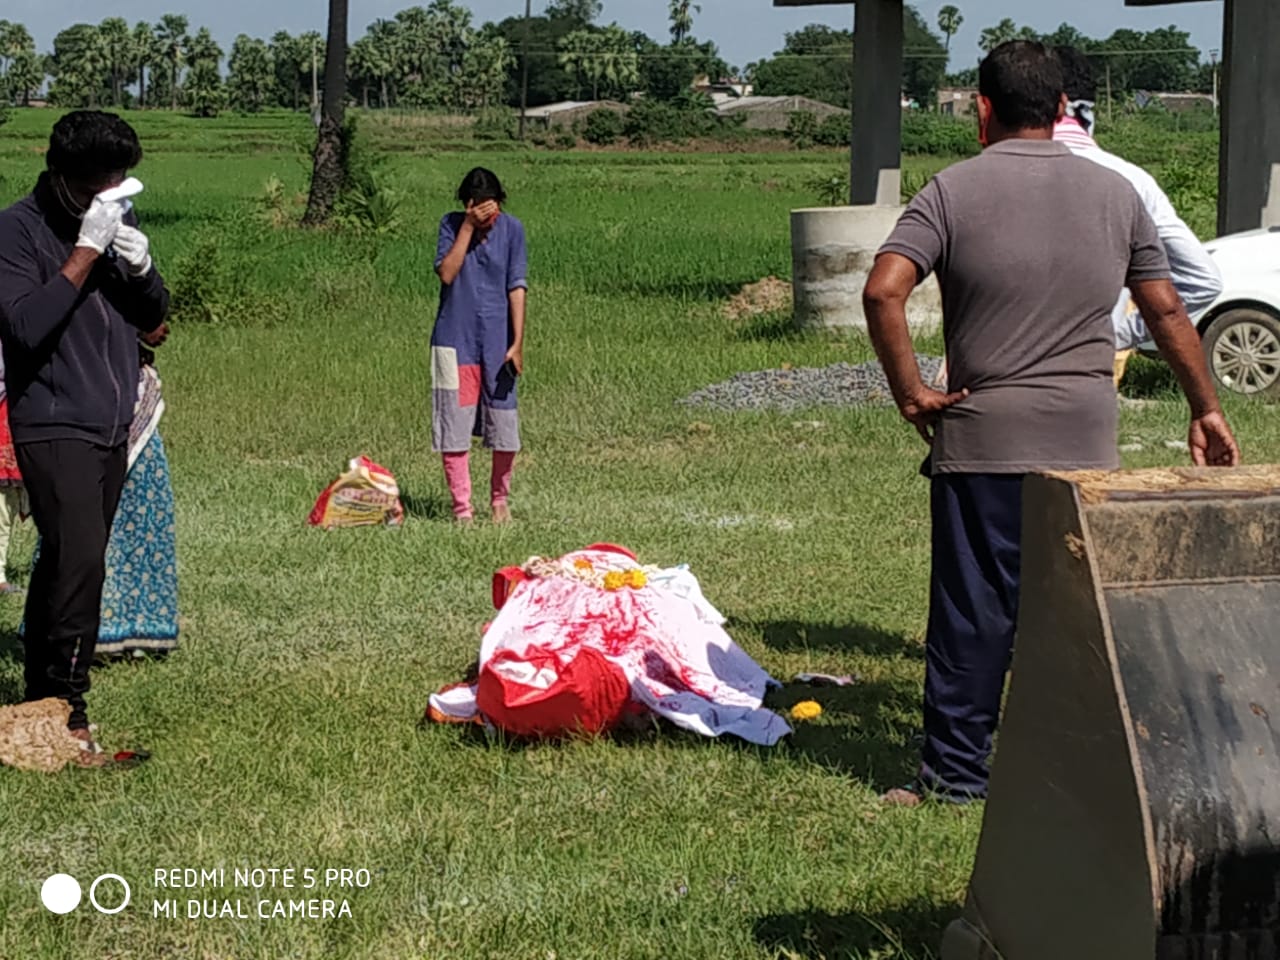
(366, 495)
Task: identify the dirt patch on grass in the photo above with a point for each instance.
(769, 295)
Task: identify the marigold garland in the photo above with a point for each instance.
(584, 571)
(806, 710)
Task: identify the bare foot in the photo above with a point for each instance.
(501, 513)
(902, 797)
(91, 754)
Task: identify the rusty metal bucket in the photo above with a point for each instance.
(1134, 807)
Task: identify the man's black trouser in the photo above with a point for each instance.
(74, 488)
(973, 612)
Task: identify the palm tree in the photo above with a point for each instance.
(1002, 32)
(577, 57)
(251, 73)
(619, 64)
(203, 48)
(79, 64)
(949, 22)
(384, 41)
(117, 43)
(328, 173)
(681, 13)
(144, 56)
(363, 67)
(484, 71)
(14, 40)
(310, 53)
(22, 67)
(171, 33)
(204, 82)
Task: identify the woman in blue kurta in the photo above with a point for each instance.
(477, 346)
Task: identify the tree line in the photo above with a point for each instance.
(817, 61)
(432, 57)
(436, 57)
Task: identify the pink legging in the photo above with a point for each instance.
(457, 472)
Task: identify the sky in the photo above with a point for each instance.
(745, 30)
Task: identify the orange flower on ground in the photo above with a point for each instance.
(806, 710)
(582, 564)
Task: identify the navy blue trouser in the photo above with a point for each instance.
(973, 610)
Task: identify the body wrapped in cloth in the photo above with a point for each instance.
(585, 640)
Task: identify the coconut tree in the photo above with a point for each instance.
(145, 56)
(577, 58)
(949, 22)
(117, 45)
(619, 62)
(204, 93)
(681, 14)
(384, 57)
(171, 34)
(79, 65)
(484, 71)
(20, 65)
(328, 172)
(251, 74)
(1002, 32)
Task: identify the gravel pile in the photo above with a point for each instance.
(839, 385)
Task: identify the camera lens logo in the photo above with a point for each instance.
(61, 893)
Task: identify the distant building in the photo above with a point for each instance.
(1174, 102)
(774, 113)
(958, 101)
(726, 88)
(557, 116)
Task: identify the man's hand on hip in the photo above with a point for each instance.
(1211, 442)
(156, 337)
(134, 249)
(924, 409)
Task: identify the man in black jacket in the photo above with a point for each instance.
(77, 290)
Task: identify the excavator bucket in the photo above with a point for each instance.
(1134, 807)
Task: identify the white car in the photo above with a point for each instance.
(1241, 329)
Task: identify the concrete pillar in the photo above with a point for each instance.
(1250, 150)
(832, 252)
(875, 176)
(1271, 213)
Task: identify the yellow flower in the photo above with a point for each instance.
(806, 710)
(613, 580)
(636, 579)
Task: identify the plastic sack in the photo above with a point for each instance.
(538, 694)
(366, 495)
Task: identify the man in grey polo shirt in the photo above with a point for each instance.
(1030, 244)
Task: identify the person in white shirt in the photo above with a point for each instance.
(1195, 276)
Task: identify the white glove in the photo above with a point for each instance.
(99, 226)
(134, 249)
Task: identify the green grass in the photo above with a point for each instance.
(285, 731)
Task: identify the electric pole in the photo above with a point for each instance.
(1213, 60)
(524, 67)
(1110, 102)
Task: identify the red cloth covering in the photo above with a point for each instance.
(10, 475)
(549, 693)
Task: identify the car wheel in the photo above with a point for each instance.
(1243, 350)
